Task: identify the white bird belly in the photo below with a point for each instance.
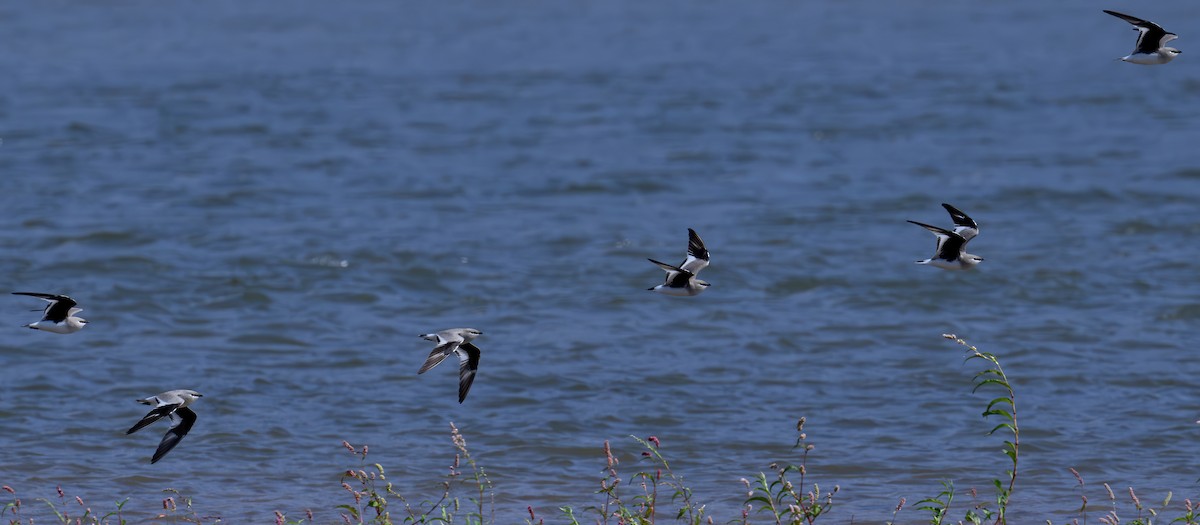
(1146, 59)
(678, 292)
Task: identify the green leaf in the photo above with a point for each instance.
(353, 511)
(1003, 425)
(1010, 451)
(1003, 384)
(998, 412)
(982, 376)
(999, 400)
(56, 512)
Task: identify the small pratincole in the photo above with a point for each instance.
(455, 341)
(59, 315)
(951, 252)
(173, 404)
(681, 280)
(1151, 47)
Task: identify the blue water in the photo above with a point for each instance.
(267, 202)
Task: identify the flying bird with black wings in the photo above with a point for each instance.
(455, 341)
(951, 252)
(171, 404)
(59, 315)
(1151, 47)
(681, 280)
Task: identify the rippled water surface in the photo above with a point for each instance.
(268, 202)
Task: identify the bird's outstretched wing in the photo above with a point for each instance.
(181, 423)
(439, 354)
(468, 364)
(697, 258)
(964, 225)
(158, 413)
(949, 243)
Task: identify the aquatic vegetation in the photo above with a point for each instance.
(371, 490)
(787, 494)
(644, 507)
(62, 510)
(1144, 514)
(994, 376)
(779, 496)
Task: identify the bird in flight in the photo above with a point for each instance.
(172, 404)
(1151, 47)
(951, 252)
(681, 280)
(455, 341)
(59, 315)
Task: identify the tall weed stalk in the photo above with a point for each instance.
(370, 489)
(785, 501)
(1004, 407)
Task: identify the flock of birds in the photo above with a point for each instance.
(59, 318)
(681, 280)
